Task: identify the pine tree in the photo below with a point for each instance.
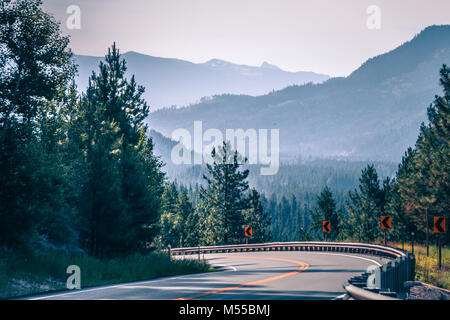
(256, 217)
(326, 211)
(122, 182)
(402, 222)
(210, 226)
(284, 210)
(366, 206)
(423, 174)
(185, 211)
(35, 69)
(227, 186)
(178, 225)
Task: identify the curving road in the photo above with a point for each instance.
(256, 275)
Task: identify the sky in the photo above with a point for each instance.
(333, 37)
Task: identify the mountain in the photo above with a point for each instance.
(176, 82)
(373, 114)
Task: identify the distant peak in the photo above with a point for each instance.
(132, 52)
(267, 65)
(217, 63)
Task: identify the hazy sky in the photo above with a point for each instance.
(326, 36)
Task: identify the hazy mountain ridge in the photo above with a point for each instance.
(374, 113)
(177, 82)
(294, 175)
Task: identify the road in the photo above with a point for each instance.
(256, 275)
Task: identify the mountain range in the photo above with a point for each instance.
(373, 114)
(171, 82)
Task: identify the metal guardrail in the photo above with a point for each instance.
(382, 283)
(386, 281)
(345, 247)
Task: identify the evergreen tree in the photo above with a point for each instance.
(122, 182)
(284, 210)
(325, 211)
(402, 222)
(35, 69)
(226, 194)
(256, 217)
(210, 226)
(366, 206)
(185, 211)
(177, 221)
(423, 174)
(168, 233)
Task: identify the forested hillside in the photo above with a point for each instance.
(78, 171)
(373, 114)
(83, 174)
(304, 193)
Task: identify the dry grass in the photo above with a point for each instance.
(427, 267)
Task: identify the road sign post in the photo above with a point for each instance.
(248, 232)
(439, 228)
(386, 224)
(440, 255)
(326, 228)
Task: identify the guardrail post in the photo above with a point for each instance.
(392, 276)
(405, 271)
(373, 280)
(386, 279)
(402, 273)
(412, 267)
(407, 268)
(378, 273)
(396, 271)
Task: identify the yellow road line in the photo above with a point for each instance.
(303, 267)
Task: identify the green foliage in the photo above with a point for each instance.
(35, 69)
(226, 194)
(402, 222)
(423, 175)
(366, 206)
(257, 218)
(420, 189)
(78, 173)
(177, 219)
(325, 211)
(222, 208)
(119, 203)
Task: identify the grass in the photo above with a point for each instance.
(427, 267)
(20, 276)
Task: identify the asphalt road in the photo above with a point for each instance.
(256, 275)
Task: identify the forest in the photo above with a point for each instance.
(79, 173)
